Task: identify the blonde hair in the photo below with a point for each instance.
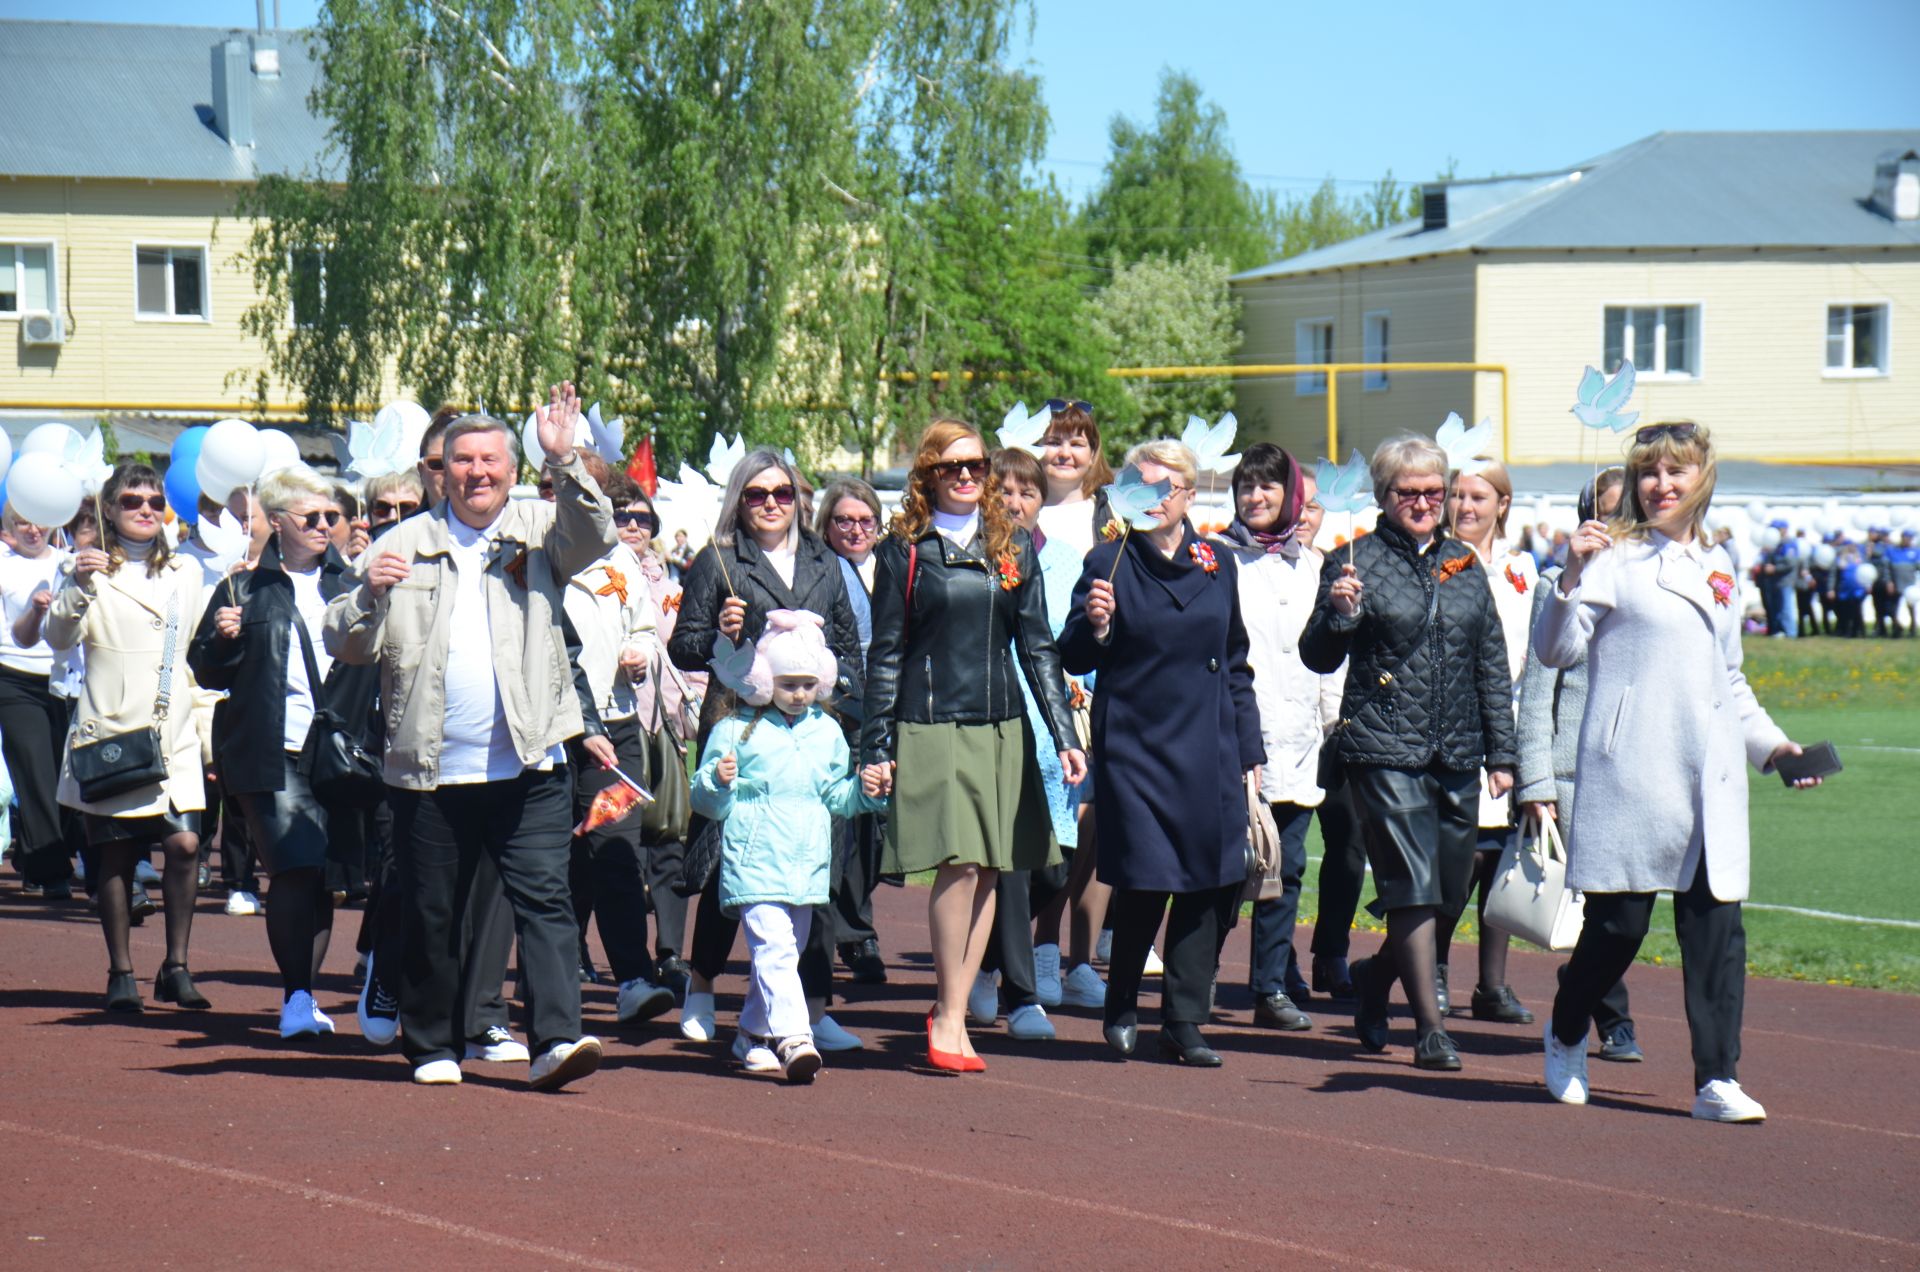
(280, 490)
(1495, 475)
(1170, 455)
(1631, 521)
(1401, 454)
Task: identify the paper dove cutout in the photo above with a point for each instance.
(731, 663)
(1021, 431)
(1466, 447)
(1129, 497)
(722, 456)
(786, 453)
(1209, 442)
(374, 450)
(609, 438)
(1601, 399)
(226, 537)
(1344, 487)
(85, 458)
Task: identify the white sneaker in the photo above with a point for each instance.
(1567, 1068)
(1722, 1100)
(1029, 1023)
(1046, 974)
(696, 1017)
(299, 1015)
(1103, 946)
(497, 1046)
(437, 1073)
(641, 999)
(1083, 988)
(565, 1063)
(829, 1035)
(145, 875)
(1154, 966)
(378, 1012)
(983, 1000)
(244, 905)
(798, 1059)
(753, 1054)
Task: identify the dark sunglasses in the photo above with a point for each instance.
(1057, 405)
(951, 469)
(1434, 495)
(755, 496)
(622, 517)
(1651, 433)
(434, 463)
(133, 503)
(381, 508)
(312, 520)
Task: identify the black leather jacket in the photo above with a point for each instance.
(1427, 673)
(951, 660)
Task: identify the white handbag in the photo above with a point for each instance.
(1529, 896)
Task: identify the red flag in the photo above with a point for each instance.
(612, 804)
(641, 467)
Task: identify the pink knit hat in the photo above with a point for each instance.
(793, 644)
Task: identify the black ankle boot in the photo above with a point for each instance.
(1370, 1006)
(174, 985)
(123, 992)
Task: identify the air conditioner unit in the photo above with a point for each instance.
(42, 329)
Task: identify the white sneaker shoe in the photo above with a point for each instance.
(641, 999)
(1154, 966)
(1103, 946)
(565, 1063)
(1567, 1068)
(829, 1035)
(1029, 1023)
(1722, 1100)
(497, 1046)
(1083, 988)
(983, 1000)
(1046, 974)
(378, 1012)
(437, 1073)
(754, 1055)
(244, 905)
(145, 875)
(798, 1060)
(696, 1017)
(299, 1015)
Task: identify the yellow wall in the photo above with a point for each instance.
(1762, 330)
(111, 356)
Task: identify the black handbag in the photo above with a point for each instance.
(339, 770)
(122, 762)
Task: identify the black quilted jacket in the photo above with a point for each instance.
(1427, 665)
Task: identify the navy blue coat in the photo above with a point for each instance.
(1174, 721)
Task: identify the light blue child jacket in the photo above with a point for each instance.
(776, 844)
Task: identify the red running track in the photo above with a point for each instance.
(201, 1140)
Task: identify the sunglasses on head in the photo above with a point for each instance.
(404, 508)
(622, 517)
(312, 520)
(951, 469)
(1057, 405)
(757, 496)
(133, 503)
(1648, 434)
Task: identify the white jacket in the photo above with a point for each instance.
(1514, 578)
(1297, 706)
(611, 605)
(1669, 719)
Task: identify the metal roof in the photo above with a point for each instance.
(1670, 190)
(111, 100)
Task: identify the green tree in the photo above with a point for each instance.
(1164, 312)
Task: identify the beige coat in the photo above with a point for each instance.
(540, 546)
(119, 620)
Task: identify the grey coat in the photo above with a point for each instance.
(1670, 719)
(1552, 702)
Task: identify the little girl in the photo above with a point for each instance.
(776, 772)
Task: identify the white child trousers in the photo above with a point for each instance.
(776, 1006)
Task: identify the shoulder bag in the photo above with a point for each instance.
(341, 772)
(1529, 896)
(1263, 847)
(667, 816)
(122, 762)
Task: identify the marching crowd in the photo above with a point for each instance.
(1100, 730)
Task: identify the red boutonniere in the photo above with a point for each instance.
(1009, 572)
(1518, 580)
(1112, 530)
(1450, 568)
(514, 565)
(616, 584)
(670, 603)
(1722, 585)
(1203, 555)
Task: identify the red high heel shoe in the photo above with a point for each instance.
(950, 1061)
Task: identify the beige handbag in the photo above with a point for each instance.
(1080, 707)
(1263, 847)
(1529, 896)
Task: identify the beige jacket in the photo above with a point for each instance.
(539, 546)
(120, 621)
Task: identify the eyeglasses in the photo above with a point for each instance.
(312, 520)
(621, 517)
(1057, 405)
(757, 496)
(395, 511)
(1651, 433)
(1431, 495)
(1175, 488)
(434, 463)
(847, 525)
(953, 469)
(134, 503)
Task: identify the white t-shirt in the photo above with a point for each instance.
(1070, 523)
(311, 611)
(20, 578)
(957, 530)
(478, 746)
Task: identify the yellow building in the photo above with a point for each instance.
(1764, 284)
(121, 280)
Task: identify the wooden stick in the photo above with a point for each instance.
(1126, 530)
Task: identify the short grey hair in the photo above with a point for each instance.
(279, 491)
(1172, 455)
(1401, 454)
(751, 465)
(467, 424)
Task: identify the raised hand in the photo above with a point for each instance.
(1588, 541)
(556, 422)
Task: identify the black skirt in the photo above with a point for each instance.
(148, 829)
(1421, 827)
(288, 826)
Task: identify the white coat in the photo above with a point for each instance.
(1297, 706)
(1514, 578)
(611, 605)
(1669, 719)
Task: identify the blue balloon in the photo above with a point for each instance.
(182, 486)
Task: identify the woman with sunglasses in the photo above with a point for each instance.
(259, 640)
(129, 605)
(1670, 726)
(956, 590)
(1428, 702)
(763, 557)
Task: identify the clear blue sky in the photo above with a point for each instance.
(1350, 91)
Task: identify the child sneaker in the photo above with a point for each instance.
(753, 1054)
(798, 1060)
(1083, 988)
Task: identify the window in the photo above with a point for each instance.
(1375, 349)
(1856, 340)
(1662, 340)
(1312, 342)
(170, 282)
(307, 281)
(26, 278)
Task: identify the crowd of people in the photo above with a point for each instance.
(1071, 715)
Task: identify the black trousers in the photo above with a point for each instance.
(486, 945)
(1343, 874)
(1197, 926)
(859, 842)
(1713, 962)
(663, 859)
(1010, 943)
(520, 825)
(714, 934)
(1273, 921)
(33, 732)
(608, 879)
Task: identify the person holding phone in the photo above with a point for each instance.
(1653, 607)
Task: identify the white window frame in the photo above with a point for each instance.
(1305, 349)
(1373, 349)
(18, 267)
(1660, 372)
(206, 280)
(1885, 369)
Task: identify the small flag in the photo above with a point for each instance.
(613, 804)
(641, 467)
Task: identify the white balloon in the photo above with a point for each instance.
(1823, 555)
(1865, 518)
(50, 439)
(231, 456)
(1912, 596)
(6, 453)
(279, 451)
(1868, 575)
(43, 491)
(1769, 539)
(1758, 511)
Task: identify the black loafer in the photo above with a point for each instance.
(174, 985)
(1500, 1005)
(1194, 1054)
(1435, 1051)
(864, 962)
(1276, 1011)
(1331, 977)
(1122, 1038)
(123, 992)
(1370, 1011)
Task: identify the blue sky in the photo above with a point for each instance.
(1350, 91)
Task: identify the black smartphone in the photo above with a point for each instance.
(1819, 760)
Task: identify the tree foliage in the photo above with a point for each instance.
(1165, 312)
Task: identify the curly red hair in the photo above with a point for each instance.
(916, 508)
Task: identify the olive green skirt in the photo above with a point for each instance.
(968, 794)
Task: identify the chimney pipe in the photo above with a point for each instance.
(260, 15)
(232, 93)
